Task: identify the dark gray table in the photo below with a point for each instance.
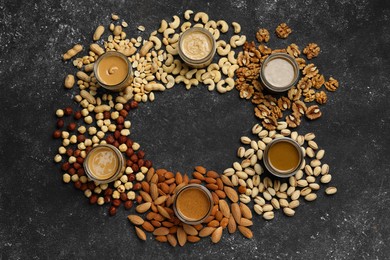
(42, 218)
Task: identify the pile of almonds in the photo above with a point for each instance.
(270, 108)
(158, 193)
(271, 194)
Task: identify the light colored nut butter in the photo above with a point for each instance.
(112, 70)
(196, 45)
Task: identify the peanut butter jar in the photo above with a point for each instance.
(279, 72)
(104, 164)
(193, 204)
(197, 47)
(283, 157)
(113, 71)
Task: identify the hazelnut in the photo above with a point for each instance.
(106, 115)
(135, 167)
(108, 192)
(117, 134)
(80, 172)
(107, 199)
(68, 111)
(129, 142)
(128, 204)
(77, 166)
(138, 199)
(91, 185)
(141, 162)
(141, 154)
(119, 127)
(110, 139)
(148, 164)
(134, 158)
(137, 186)
(77, 153)
(77, 115)
(60, 123)
(133, 104)
(131, 177)
(83, 187)
(129, 163)
(72, 171)
(129, 151)
(116, 203)
(122, 139)
(123, 196)
(65, 166)
(120, 120)
(80, 138)
(123, 113)
(112, 211)
(57, 134)
(77, 184)
(93, 199)
(127, 107)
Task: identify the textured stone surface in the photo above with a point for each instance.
(41, 218)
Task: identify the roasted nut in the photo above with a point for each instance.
(311, 50)
(313, 112)
(283, 31)
(321, 97)
(332, 84)
(262, 35)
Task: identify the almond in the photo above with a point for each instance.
(147, 226)
(140, 233)
(232, 226)
(221, 194)
(193, 239)
(212, 174)
(145, 196)
(200, 169)
(231, 193)
(142, 208)
(135, 219)
(236, 212)
(161, 231)
(172, 240)
(213, 223)
(246, 232)
(163, 212)
(181, 236)
(224, 208)
(154, 190)
(224, 222)
(212, 186)
(216, 236)
(245, 211)
(161, 238)
(160, 200)
(179, 180)
(150, 174)
(246, 222)
(198, 176)
(225, 179)
(206, 231)
(190, 230)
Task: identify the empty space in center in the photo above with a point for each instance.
(185, 128)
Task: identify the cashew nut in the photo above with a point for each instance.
(175, 23)
(190, 73)
(212, 66)
(232, 69)
(169, 59)
(154, 33)
(231, 58)
(220, 88)
(165, 41)
(203, 16)
(210, 24)
(237, 40)
(172, 50)
(216, 75)
(222, 61)
(177, 68)
(156, 41)
(199, 25)
(184, 69)
(185, 26)
(230, 82)
(216, 34)
(146, 48)
(210, 83)
(237, 27)
(187, 14)
(180, 79)
(154, 87)
(191, 82)
(224, 26)
(168, 31)
(174, 39)
(205, 76)
(163, 77)
(225, 68)
(169, 69)
(163, 26)
(199, 73)
(223, 51)
(171, 81)
(221, 43)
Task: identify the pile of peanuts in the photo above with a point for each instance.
(157, 67)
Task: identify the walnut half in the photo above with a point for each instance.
(262, 35)
(332, 84)
(312, 50)
(283, 31)
(313, 112)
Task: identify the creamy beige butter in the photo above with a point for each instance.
(279, 72)
(196, 45)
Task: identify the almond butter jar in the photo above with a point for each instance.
(279, 72)
(197, 47)
(104, 164)
(193, 204)
(283, 157)
(113, 71)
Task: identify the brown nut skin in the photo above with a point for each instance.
(83, 187)
(133, 104)
(120, 120)
(60, 123)
(107, 199)
(68, 111)
(108, 192)
(77, 166)
(116, 202)
(112, 211)
(69, 152)
(129, 142)
(77, 153)
(141, 154)
(119, 127)
(106, 115)
(123, 197)
(129, 152)
(131, 177)
(110, 139)
(77, 115)
(138, 199)
(117, 134)
(65, 166)
(134, 158)
(93, 199)
(128, 204)
(72, 171)
(137, 186)
(148, 164)
(57, 134)
(72, 126)
(91, 185)
(135, 167)
(123, 113)
(127, 107)
(129, 163)
(80, 172)
(140, 163)
(81, 138)
(77, 184)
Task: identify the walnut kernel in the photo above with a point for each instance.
(318, 80)
(262, 35)
(332, 84)
(310, 70)
(311, 50)
(282, 31)
(313, 112)
(293, 50)
(321, 97)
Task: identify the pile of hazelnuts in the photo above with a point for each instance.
(101, 194)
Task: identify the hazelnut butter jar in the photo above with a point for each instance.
(279, 72)
(104, 164)
(113, 71)
(197, 47)
(193, 204)
(283, 157)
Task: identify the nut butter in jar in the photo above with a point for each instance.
(279, 72)
(197, 47)
(193, 204)
(113, 71)
(283, 157)
(104, 164)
